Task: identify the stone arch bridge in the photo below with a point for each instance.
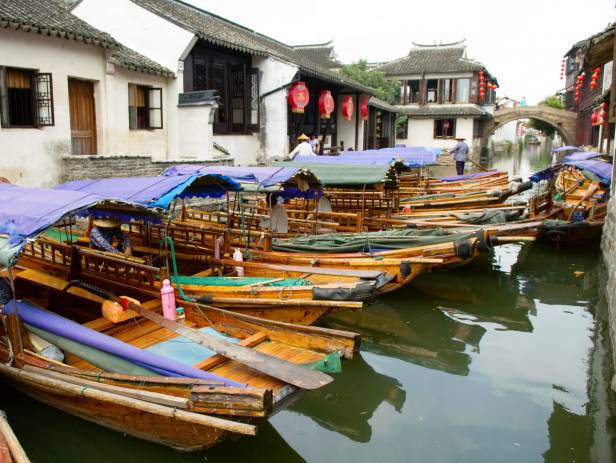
(562, 120)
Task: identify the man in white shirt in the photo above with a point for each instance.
(303, 148)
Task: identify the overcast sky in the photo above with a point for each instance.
(520, 42)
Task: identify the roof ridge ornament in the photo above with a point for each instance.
(440, 44)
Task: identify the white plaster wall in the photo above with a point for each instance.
(195, 132)
(32, 156)
(244, 148)
(119, 139)
(421, 133)
(346, 129)
(273, 140)
(137, 28)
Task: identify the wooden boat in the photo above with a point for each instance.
(577, 213)
(187, 384)
(404, 264)
(184, 413)
(293, 304)
(11, 450)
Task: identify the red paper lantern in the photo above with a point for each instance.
(363, 108)
(298, 97)
(326, 104)
(594, 118)
(347, 107)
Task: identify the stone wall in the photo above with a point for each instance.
(79, 167)
(608, 247)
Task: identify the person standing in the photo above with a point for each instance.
(523, 101)
(459, 153)
(303, 148)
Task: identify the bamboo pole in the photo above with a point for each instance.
(136, 404)
(148, 396)
(17, 452)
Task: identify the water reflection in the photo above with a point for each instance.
(339, 407)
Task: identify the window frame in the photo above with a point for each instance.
(468, 90)
(436, 135)
(435, 89)
(148, 108)
(37, 99)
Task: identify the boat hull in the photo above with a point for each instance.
(143, 425)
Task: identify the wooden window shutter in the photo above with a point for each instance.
(4, 99)
(155, 108)
(239, 98)
(252, 117)
(219, 83)
(44, 98)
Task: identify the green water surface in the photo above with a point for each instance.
(503, 360)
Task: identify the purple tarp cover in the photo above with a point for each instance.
(601, 169)
(455, 178)
(66, 328)
(582, 156)
(26, 212)
(264, 176)
(149, 191)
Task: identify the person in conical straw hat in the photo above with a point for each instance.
(459, 153)
(303, 148)
(107, 235)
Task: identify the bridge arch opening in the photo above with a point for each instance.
(557, 128)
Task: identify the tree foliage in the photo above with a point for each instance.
(385, 89)
(553, 101)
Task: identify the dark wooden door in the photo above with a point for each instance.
(83, 116)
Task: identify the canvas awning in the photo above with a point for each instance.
(27, 212)
(156, 192)
(263, 177)
(343, 175)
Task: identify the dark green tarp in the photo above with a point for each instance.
(346, 174)
(366, 242)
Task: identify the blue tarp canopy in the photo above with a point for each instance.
(582, 156)
(156, 192)
(409, 157)
(601, 169)
(27, 212)
(565, 148)
(263, 176)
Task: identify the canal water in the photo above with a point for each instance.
(503, 360)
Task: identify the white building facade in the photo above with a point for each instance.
(250, 74)
(74, 92)
(444, 95)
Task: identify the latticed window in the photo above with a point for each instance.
(236, 85)
(26, 98)
(145, 107)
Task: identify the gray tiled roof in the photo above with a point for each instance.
(50, 17)
(222, 32)
(433, 58)
(130, 59)
(384, 105)
(322, 54)
(437, 110)
(54, 18)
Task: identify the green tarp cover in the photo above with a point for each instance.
(366, 242)
(8, 252)
(345, 174)
(98, 358)
(242, 281)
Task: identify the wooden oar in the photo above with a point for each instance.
(594, 186)
(272, 366)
